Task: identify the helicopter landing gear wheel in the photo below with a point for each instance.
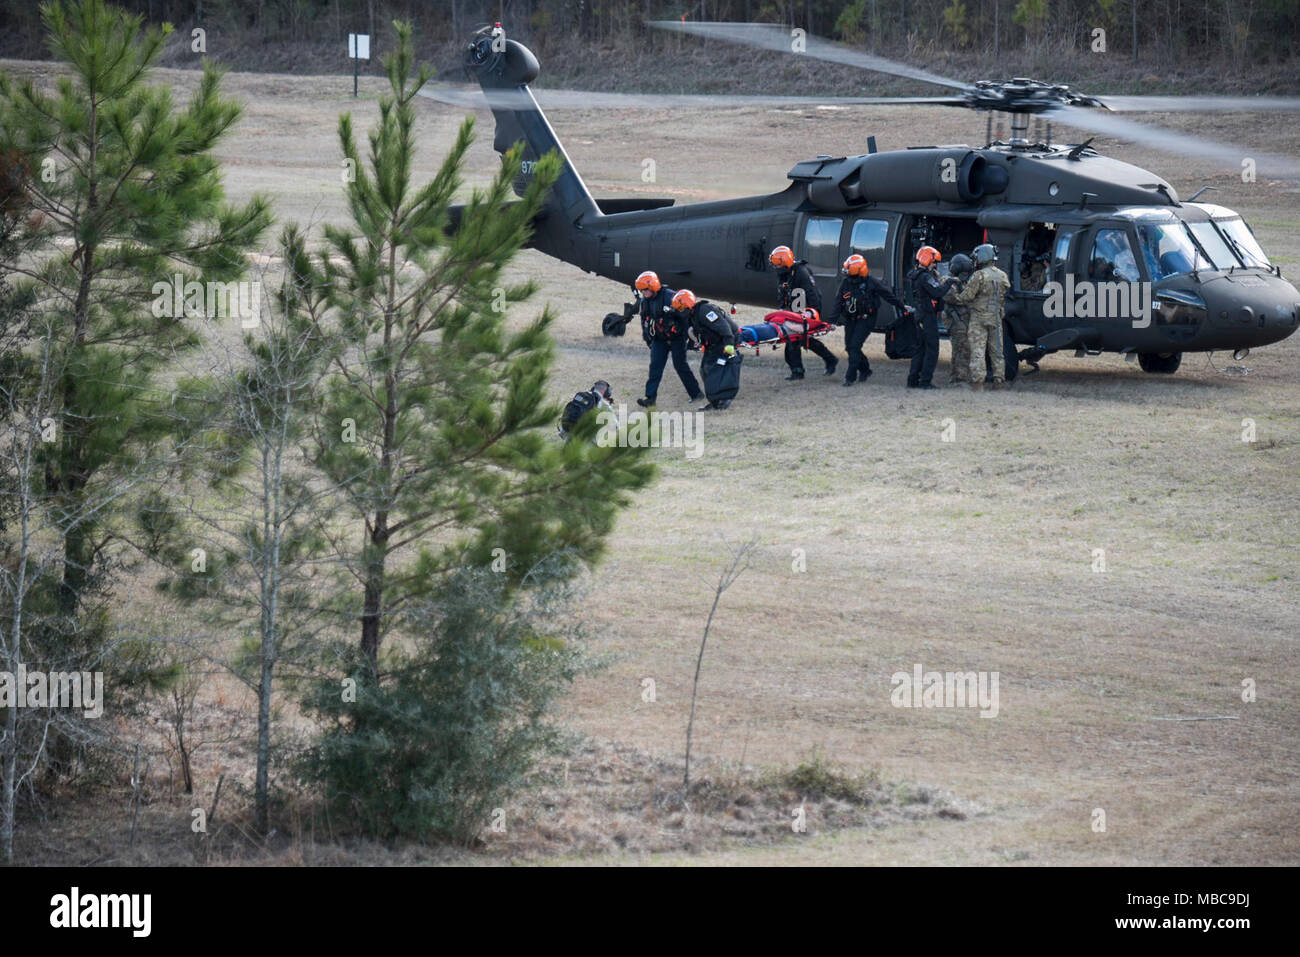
(1164, 363)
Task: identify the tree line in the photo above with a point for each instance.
(1233, 34)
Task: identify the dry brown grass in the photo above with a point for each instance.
(974, 554)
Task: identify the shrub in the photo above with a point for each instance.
(459, 714)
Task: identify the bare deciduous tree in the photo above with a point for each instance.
(741, 558)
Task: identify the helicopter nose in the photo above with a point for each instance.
(1255, 315)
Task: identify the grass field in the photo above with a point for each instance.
(972, 554)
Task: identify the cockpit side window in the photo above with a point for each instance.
(1112, 259)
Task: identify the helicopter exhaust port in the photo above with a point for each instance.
(1241, 354)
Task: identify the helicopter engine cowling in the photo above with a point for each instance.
(950, 174)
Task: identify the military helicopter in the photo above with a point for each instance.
(1124, 265)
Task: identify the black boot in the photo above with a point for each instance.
(863, 373)
(831, 367)
(794, 376)
(646, 403)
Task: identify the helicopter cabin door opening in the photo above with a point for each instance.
(948, 234)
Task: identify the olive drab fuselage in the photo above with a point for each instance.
(1131, 269)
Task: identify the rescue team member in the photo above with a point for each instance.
(927, 292)
(796, 290)
(957, 318)
(664, 332)
(716, 334)
(600, 395)
(985, 294)
(855, 307)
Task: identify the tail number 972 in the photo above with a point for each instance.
(528, 167)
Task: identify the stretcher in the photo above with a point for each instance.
(778, 328)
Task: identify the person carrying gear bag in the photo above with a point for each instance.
(855, 307)
(664, 331)
(957, 318)
(985, 293)
(927, 293)
(796, 290)
(717, 335)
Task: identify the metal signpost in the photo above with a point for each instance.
(358, 50)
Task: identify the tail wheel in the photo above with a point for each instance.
(1164, 363)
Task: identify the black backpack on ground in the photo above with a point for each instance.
(577, 407)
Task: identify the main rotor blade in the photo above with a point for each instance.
(1199, 104)
(1268, 166)
(767, 36)
(473, 98)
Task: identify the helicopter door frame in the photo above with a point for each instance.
(1089, 234)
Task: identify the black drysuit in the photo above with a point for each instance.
(789, 283)
(664, 331)
(715, 331)
(855, 307)
(927, 295)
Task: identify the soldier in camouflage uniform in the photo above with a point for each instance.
(957, 318)
(985, 294)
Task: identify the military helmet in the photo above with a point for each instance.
(961, 265)
(984, 254)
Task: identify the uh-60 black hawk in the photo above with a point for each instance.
(1123, 265)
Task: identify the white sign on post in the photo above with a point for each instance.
(359, 46)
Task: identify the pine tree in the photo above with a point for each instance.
(247, 548)
(126, 194)
(434, 416)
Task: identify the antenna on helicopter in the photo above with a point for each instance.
(1200, 191)
(1075, 153)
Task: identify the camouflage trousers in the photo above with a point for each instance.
(986, 335)
(959, 339)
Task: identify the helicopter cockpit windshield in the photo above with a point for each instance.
(1243, 241)
(1169, 250)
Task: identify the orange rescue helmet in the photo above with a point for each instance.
(684, 300)
(856, 265)
(647, 282)
(812, 314)
(927, 256)
(782, 257)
